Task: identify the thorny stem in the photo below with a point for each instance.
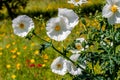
(59, 52)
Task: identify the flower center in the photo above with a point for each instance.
(21, 25)
(59, 66)
(57, 28)
(114, 8)
(77, 0)
(78, 46)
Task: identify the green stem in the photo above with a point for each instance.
(60, 52)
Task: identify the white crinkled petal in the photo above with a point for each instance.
(70, 15)
(80, 39)
(117, 20)
(72, 69)
(110, 2)
(118, 3)
(117, 14)
(75, 51)
(70, 1)
(59, 37)
(112, 20)
(106, 12)
(115, 1)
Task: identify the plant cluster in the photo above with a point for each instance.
(94, 56)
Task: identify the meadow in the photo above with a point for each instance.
(20, 58)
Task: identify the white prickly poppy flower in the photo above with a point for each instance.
(57, 28)
(111, 11)
(22, 25)
(59, 66)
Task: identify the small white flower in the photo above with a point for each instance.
(78, 45)
(70, 15)
(77, 2)
(59, 66)
(111, 11)
(72, 69)
(22, 25)
(57, 28)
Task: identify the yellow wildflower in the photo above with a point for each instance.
(45, 56)
(98, 69)
(32, 60)
(8, 45)
(13, 50)
(43, 65)
(24, 47)
(18, 66)
(13, 76)
(45, 61)
(18, 53)
(14, 56)
(36, 52)
(32, 44)
(1, 48)
(8, 66)
(13, 43)
(0, 53)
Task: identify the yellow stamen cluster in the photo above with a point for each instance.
(21, 25)
(57, 28)
(59, 66)
(78, 46)
(114, 8)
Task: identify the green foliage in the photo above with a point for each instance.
(101, 58)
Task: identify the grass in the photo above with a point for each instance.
(15, 50)
(19, 57)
